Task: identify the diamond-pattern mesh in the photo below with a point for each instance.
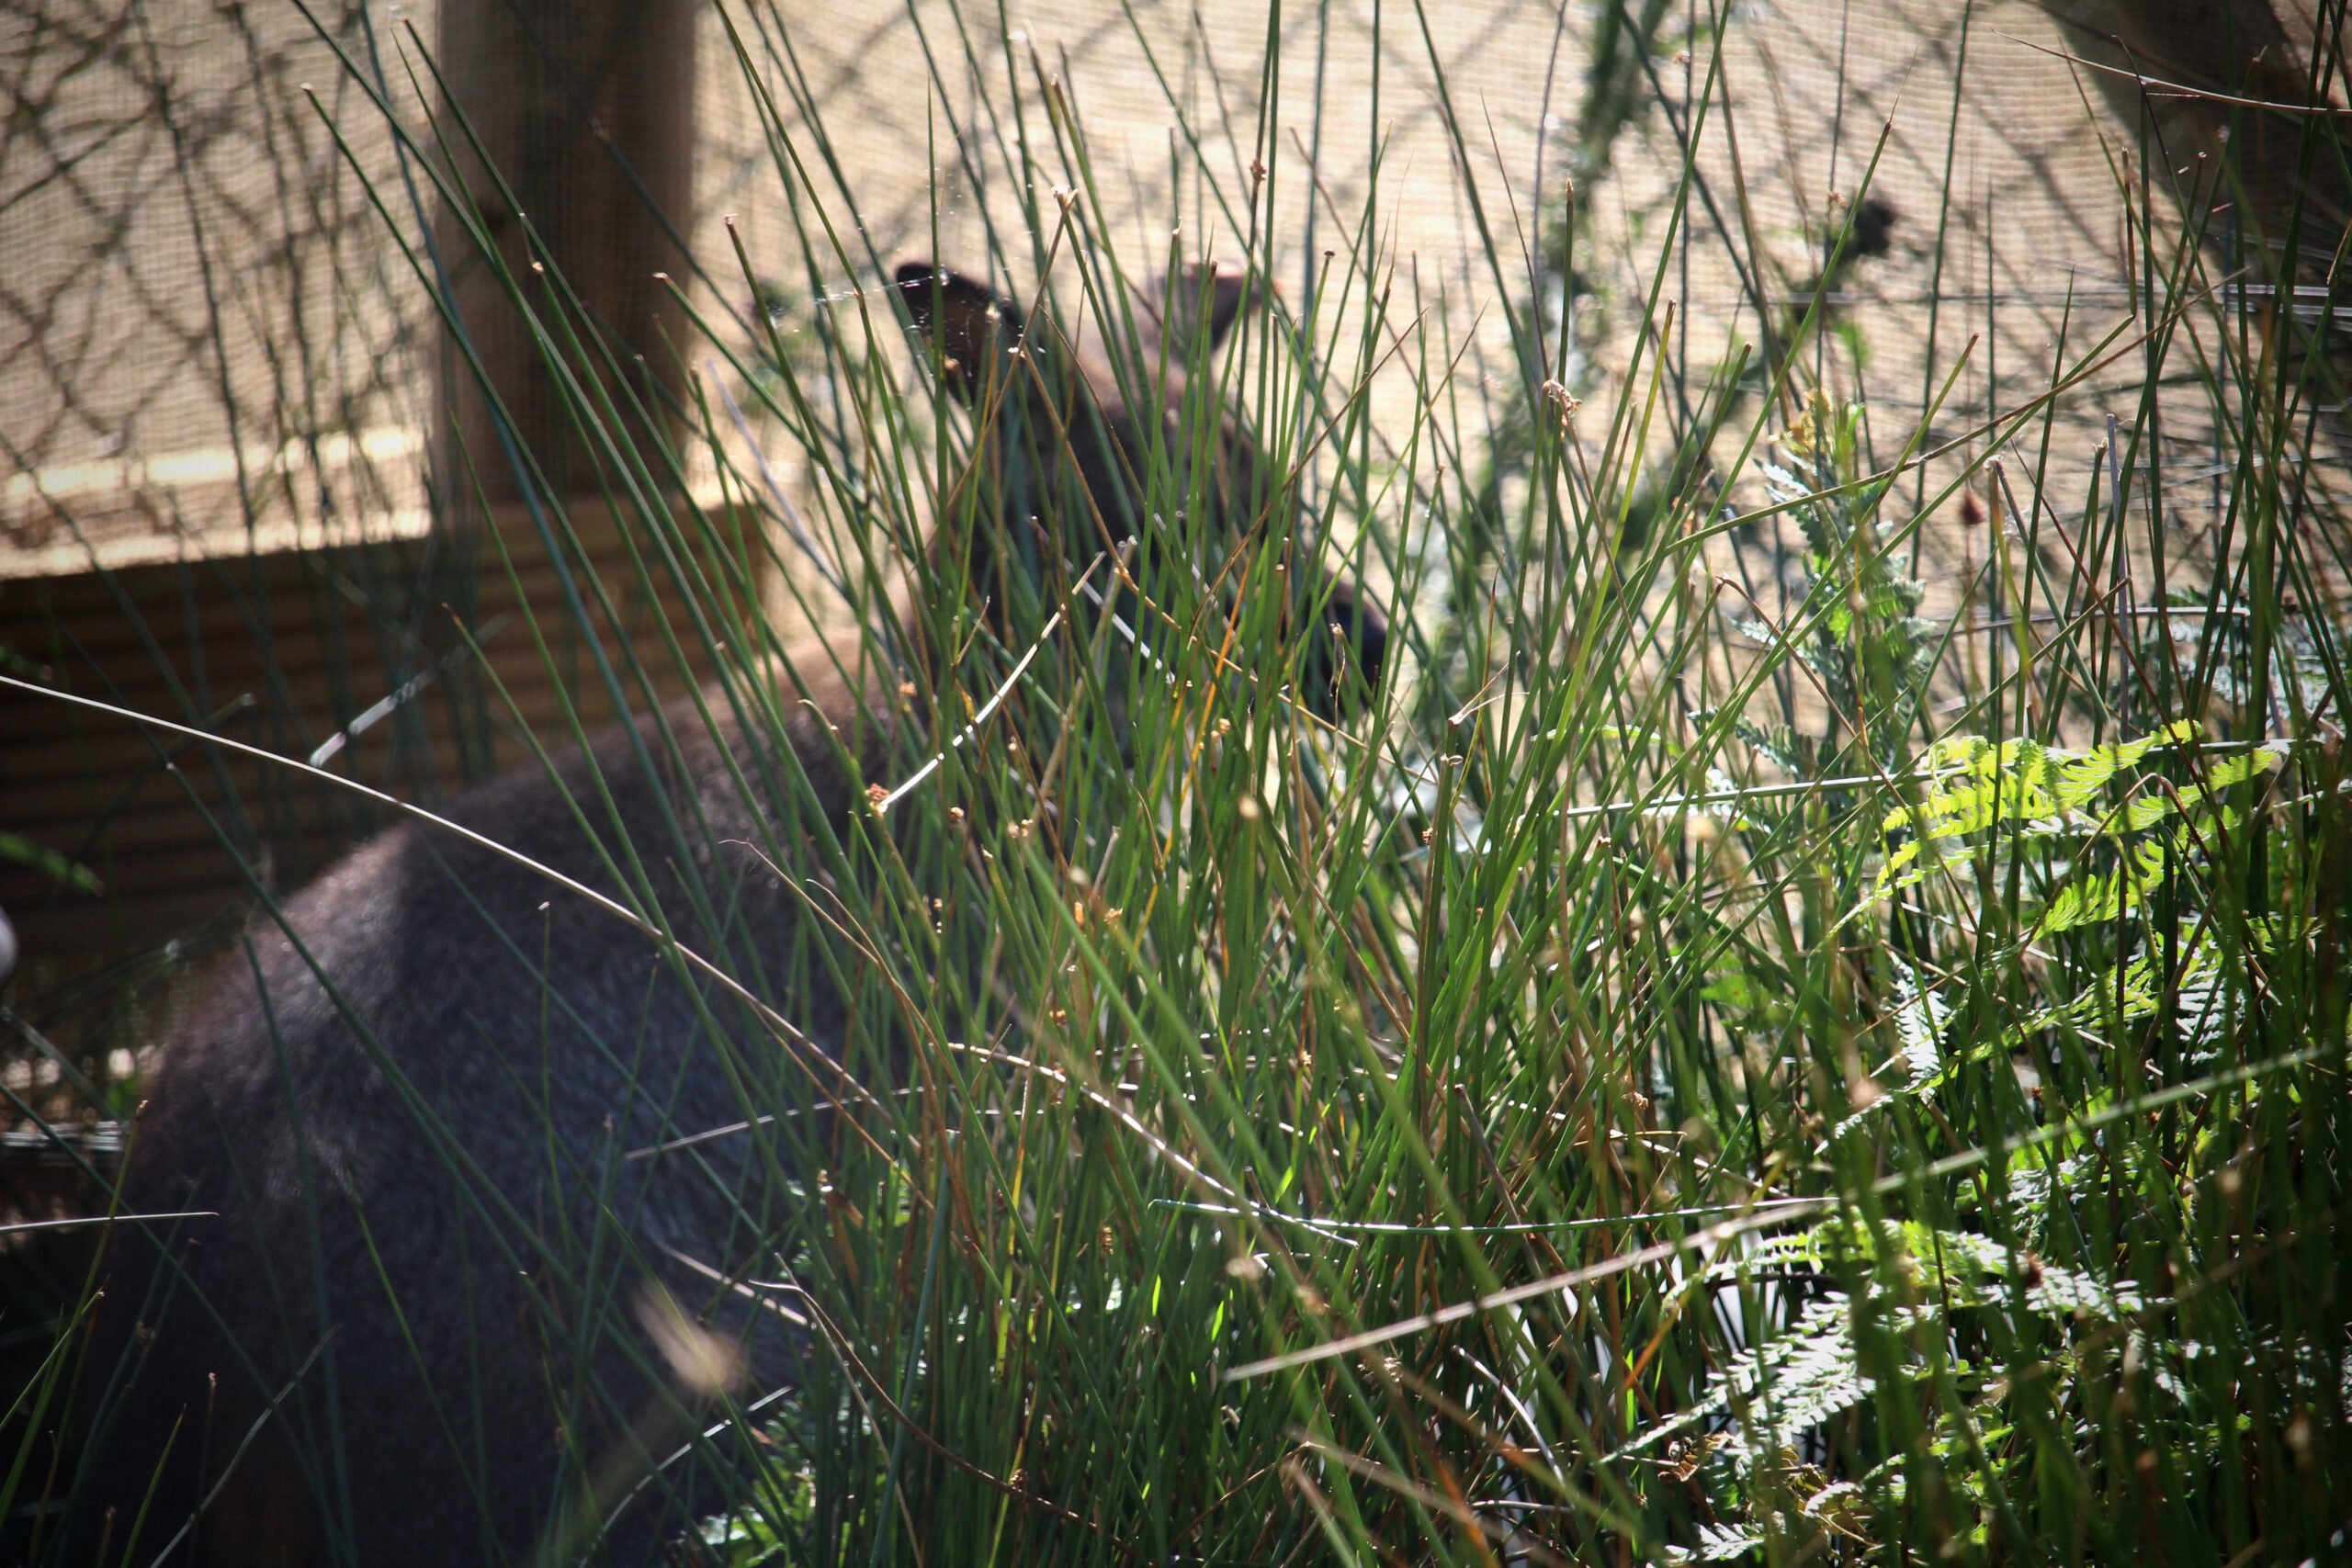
(212, 340)
(195, 291)
(192, 290)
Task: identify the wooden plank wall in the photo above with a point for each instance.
(279, 652)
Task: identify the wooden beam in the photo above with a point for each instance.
(586, 110)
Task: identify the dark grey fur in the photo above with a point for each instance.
(442, 1122)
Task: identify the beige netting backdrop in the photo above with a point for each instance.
(203, 328)
(215, 345)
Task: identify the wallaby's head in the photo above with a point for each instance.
(1090, 437)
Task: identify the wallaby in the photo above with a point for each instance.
(408, 1107)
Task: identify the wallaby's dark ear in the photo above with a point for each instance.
(965, 321)
(1207, 296)
(1346, 654)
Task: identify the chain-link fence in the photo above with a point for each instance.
(215, 345)
(204, 342)
(205, 337)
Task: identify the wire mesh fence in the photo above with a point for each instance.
(206, 341)
(219, 350)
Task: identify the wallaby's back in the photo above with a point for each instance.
(389, 1204)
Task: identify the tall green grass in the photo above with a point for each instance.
(1699, 1071)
